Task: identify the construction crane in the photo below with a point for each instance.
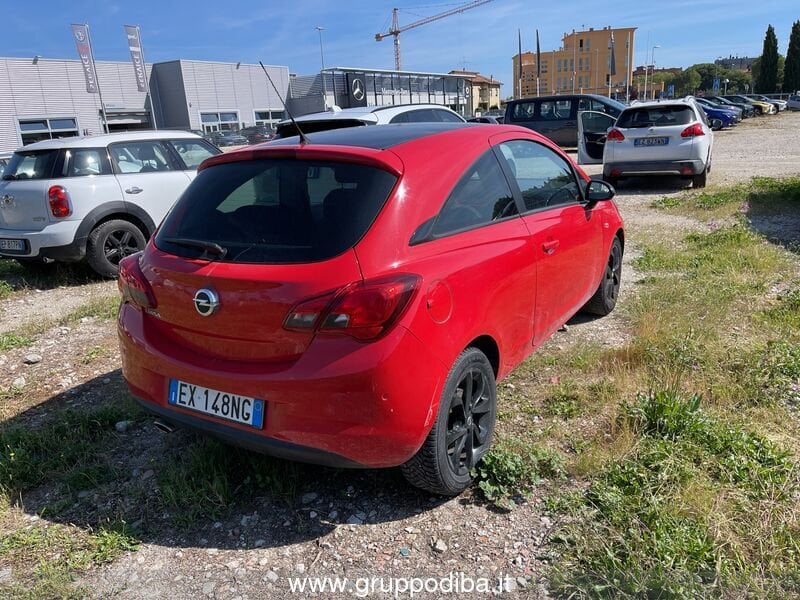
(396, 30)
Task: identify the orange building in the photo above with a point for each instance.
(581, 65)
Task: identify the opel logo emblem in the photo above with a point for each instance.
(358, 89)
(206, 302)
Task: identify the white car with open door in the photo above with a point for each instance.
(671, 137)
(593, 126)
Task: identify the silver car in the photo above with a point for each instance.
(97, 198)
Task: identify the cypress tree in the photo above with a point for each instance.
(791, 68)
(768, 73)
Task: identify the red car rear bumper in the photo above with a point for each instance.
(342, 403)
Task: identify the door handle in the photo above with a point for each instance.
(134, 190)
(550, 246)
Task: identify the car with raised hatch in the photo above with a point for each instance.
(96, 198)
(351, 298)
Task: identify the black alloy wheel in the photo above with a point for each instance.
(463, 430)
(470, 421)
(110, 242)
(605, 298)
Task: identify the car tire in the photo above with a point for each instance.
(110, 242)
(699, 181)
(463, 430)
(605, 297)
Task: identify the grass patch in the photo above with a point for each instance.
(760, 196)
(9, 341)
(690, 491)
(512, 468)
(671, 517)
(565, 401)
(206, 478)
(105, 307)
(45, 559)
(69, 449)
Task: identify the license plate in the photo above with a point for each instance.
(651, 141)
(16, 245)
(240, 409)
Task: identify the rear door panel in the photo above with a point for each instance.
(592, 129)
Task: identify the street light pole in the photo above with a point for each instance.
(322, 72)
(653, 60)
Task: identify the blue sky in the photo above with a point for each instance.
(484, 39)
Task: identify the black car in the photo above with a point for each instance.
(748, 110)
(257, 134)
(490, 120)
(557, 116)
(227, 138)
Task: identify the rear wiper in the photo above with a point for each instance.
(9, 177)
(208, 247)
(640, 125)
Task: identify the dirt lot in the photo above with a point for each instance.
(240, 534)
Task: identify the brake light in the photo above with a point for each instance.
(59, 203)
(695, 130)
(133, 287)
(615, 135)
(363, 310)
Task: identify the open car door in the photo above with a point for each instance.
(592, 128)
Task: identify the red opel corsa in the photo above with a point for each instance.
(352, 301)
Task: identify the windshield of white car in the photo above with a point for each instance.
(656, 116)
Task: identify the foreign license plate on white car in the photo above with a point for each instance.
(240, 409)
(16, 245)
(651, 141)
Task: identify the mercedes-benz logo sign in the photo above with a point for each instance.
(206, 302)
(6, 201)
(358, 89)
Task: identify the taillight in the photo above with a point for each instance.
(615, 135)
(132, 284)
(693, 131)
(363, 310)
(59, 203)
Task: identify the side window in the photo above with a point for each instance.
(446, 117)
(555, 110)
(544, 178)
(523, 111)
(139, 157)
(401, 118)
(424, 115)
(480, 197)
(81, 162)
(193, 152)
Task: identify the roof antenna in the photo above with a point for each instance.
(303, 138)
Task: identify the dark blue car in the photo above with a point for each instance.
(719, 118)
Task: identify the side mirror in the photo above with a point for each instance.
(598, 190)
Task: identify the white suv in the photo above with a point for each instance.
(338, 118)
(97, 197)
(669, 137)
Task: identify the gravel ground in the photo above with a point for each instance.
(353, 524)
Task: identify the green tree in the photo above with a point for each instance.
(686, 82)
(791, 69)
(767, 80)
(756, 71)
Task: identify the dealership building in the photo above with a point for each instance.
(45, 98)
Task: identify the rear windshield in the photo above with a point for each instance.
(37, 164)
(288, 129)
(275, 211)
(656, 116)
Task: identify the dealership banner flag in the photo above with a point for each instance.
(519, 46)
(137, 57)
(84, 46)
